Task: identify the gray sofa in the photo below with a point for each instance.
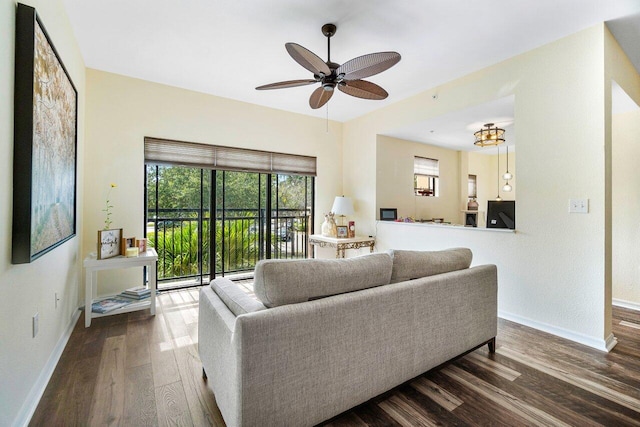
(327, 335)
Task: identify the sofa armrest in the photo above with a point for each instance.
(218, 350)
(235, 298)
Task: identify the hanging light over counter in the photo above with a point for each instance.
(507, 175)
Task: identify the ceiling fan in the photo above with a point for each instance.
(346, 77)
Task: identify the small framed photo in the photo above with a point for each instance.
(142, 245)
(128, 242)
(343, 231)
(109, 243)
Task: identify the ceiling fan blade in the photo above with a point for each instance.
(368, 65)
(319, 97)
(288, 83)
(363, 89)
(307, 59)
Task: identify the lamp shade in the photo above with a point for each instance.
(342, 206)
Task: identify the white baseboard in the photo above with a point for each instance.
(35, 394)
(626, 304)
(611, 342)
(598, 344)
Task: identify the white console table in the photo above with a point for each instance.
(342, 244)
(93, 265)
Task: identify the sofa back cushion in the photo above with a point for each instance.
(409, 265)
(279, 282)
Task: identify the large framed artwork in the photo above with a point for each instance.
(45, 139)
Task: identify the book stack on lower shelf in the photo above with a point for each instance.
(129, 296)
(109, 304)
(138, 293)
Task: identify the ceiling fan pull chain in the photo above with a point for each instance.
(327, 117)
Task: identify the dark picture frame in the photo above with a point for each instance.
(45, 143)
(388, 214)
(501, 214)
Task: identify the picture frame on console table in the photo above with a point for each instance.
(343, 231)
(44, 143)
(127, 242)
(142, 245)
(109, 243)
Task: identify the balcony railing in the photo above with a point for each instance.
(181, 238)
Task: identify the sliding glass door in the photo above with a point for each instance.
(255, 216)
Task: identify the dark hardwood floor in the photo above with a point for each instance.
(140, 370)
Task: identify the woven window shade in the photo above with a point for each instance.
(293, 164)
(169, 152)
(425, 166)
(164, 151)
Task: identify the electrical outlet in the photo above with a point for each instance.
(36, 319)
(578, 205)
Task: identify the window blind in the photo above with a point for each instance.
(472, 186)
(425, 166)
(165, 151)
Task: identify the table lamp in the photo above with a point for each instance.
(342, 206)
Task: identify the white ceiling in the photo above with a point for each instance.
(228, 47)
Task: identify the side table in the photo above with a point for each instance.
(93, 265)
(342, 244)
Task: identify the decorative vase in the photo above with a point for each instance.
(472, 205)
(326, 227)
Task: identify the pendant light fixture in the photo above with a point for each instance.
(498, 196)
(489, 135)
(507, 176)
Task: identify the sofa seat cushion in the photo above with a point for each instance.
(279, 282)
(236, 300)
(408, 265)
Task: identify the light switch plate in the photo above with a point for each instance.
(36, 318)
(578, 205)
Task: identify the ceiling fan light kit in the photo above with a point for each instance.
(346, 77)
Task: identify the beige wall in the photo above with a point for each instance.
(29, 288)
(121, 111)
(394, 179)
(553, 270)
(626, 208)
